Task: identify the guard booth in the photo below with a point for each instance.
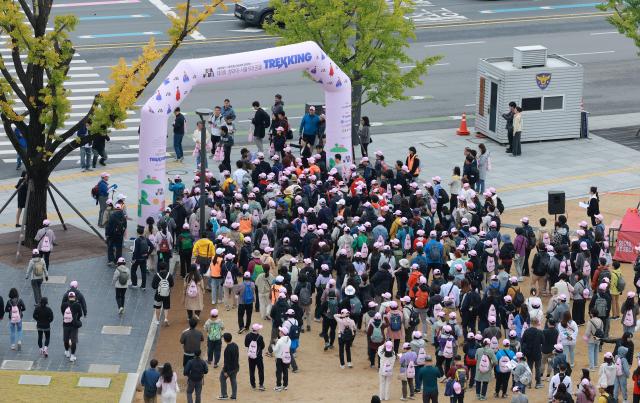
(547, 87)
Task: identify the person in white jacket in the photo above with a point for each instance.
(121, 281)
(557, 379)
(534, 305)
(282, 354)
(607, 373)
(387, 361)
(567, 336)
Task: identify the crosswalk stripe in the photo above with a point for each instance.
(77, 157)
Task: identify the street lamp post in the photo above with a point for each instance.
(202, 113)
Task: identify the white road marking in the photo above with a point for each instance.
(455, 44)
(166, 10)
(604, 33)
(589, 53)
(247, 30)
(437, 64)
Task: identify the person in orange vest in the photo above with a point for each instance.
(413, 162)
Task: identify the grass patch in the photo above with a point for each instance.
(62, 388)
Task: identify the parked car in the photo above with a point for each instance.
(254, 12)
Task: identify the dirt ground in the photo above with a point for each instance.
(320, 377)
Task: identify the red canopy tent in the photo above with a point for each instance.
(628, 237)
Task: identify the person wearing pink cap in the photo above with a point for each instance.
(37, 273)
(282, 354)
(346, 335)
(601, 305)
(607, 373)
(72, 313)
(629, 313)
(387, 359)
(46, 239)
(213, 328)
(100, 193)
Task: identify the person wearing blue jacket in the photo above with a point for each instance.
(620, 383)
(177, 187)
(431, 249)
(503, 370)
(309, 126)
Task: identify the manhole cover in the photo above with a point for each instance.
(177, 172)
(433, 144)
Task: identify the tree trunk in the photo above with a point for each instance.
(36, 210)
(356, 112)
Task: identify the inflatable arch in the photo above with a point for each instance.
(188, 74)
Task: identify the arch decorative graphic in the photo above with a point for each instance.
(190, 73)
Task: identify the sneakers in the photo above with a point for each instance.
(120, 310)
(241, 330)
(261, 388)
(223, 398)
(72, 358)
(326, 346)
(67, 353)
(539, 386)
(349, 365)
(341, 366)
(19, 345)
(278, 388)
(308, 328)
(166, 322)
(404, 399)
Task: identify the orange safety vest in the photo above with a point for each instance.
(275, 291)
(246, 225)
(410, 160)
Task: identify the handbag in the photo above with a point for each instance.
(219, 154)
(251, 130)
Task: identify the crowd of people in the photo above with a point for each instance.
(424, 273)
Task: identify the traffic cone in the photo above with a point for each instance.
(463, 131)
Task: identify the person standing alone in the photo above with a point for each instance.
(509, 118)
(179, 124)
(517, 132)
(261, 122)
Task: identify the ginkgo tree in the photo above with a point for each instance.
(368, 39)
(34, 99)
(625, 17)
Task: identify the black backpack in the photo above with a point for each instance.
(443, 196)
(500, 206)
(347, 334)
(118, 227)
(414, 318)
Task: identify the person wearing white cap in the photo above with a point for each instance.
(46, 238)
(121, 280)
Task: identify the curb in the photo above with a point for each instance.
(129, 390)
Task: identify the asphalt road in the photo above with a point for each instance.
(462, 31)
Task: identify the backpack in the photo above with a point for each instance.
(620, 283)
(586, 268)
(15, 313)
(443, 196)
(164, 288)
(470, 357)
(347, 334)
(294, 331)
(123, 276)
(215, 331)
(448, 388)
(609, 398)
(163, 246)
(500, 206)
(332, 306)
(305, 295)
(286, 355)
(422, 299)
(602, 275)
(376, 334)
(628, 320)
(186, 241)
(264, 241)
(601, 306)
(494, 343)
(598, 332)
(518, 299)
(619, 371)
(228, 280)
(503, 363)
(485, 364)
(411, 370)
(434, 252)
(461, 377)
(531, 238)
(387, 368)
(95, 191)
(395, 322)
(67, 317)
(192, 290)
(447, 352)
(118, 228)
(356, 305)
(257, 270)
(491, 264)
(422, 356)
(38, 267)
(414, 318)
(45, 243)
(544, 262)
(252, 352)
(248, 294)
(526, 376)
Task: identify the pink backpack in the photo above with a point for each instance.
(364, 251)
(504, 364)
(228, 280)
(422, 356)
(407, 242)
(192, 290)
(68, 316)
(387, 368)
(494, 345)
(253, 350)
(15, 314)
(619, 371)
(492, 311)
(586, 268)
(447, 352)
(411, 370)
(286, 355)
(303, 229)
(510, 324)
(491, 264)
(485, 364)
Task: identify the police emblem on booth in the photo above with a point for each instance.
(543, 80)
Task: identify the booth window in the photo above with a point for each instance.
(552, 103)
(532, 104)
(481, 97)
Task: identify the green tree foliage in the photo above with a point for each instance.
(368, 39)
(625, 17)
(41, 60)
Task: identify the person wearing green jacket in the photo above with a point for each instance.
(486, 360)
(427, 380)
